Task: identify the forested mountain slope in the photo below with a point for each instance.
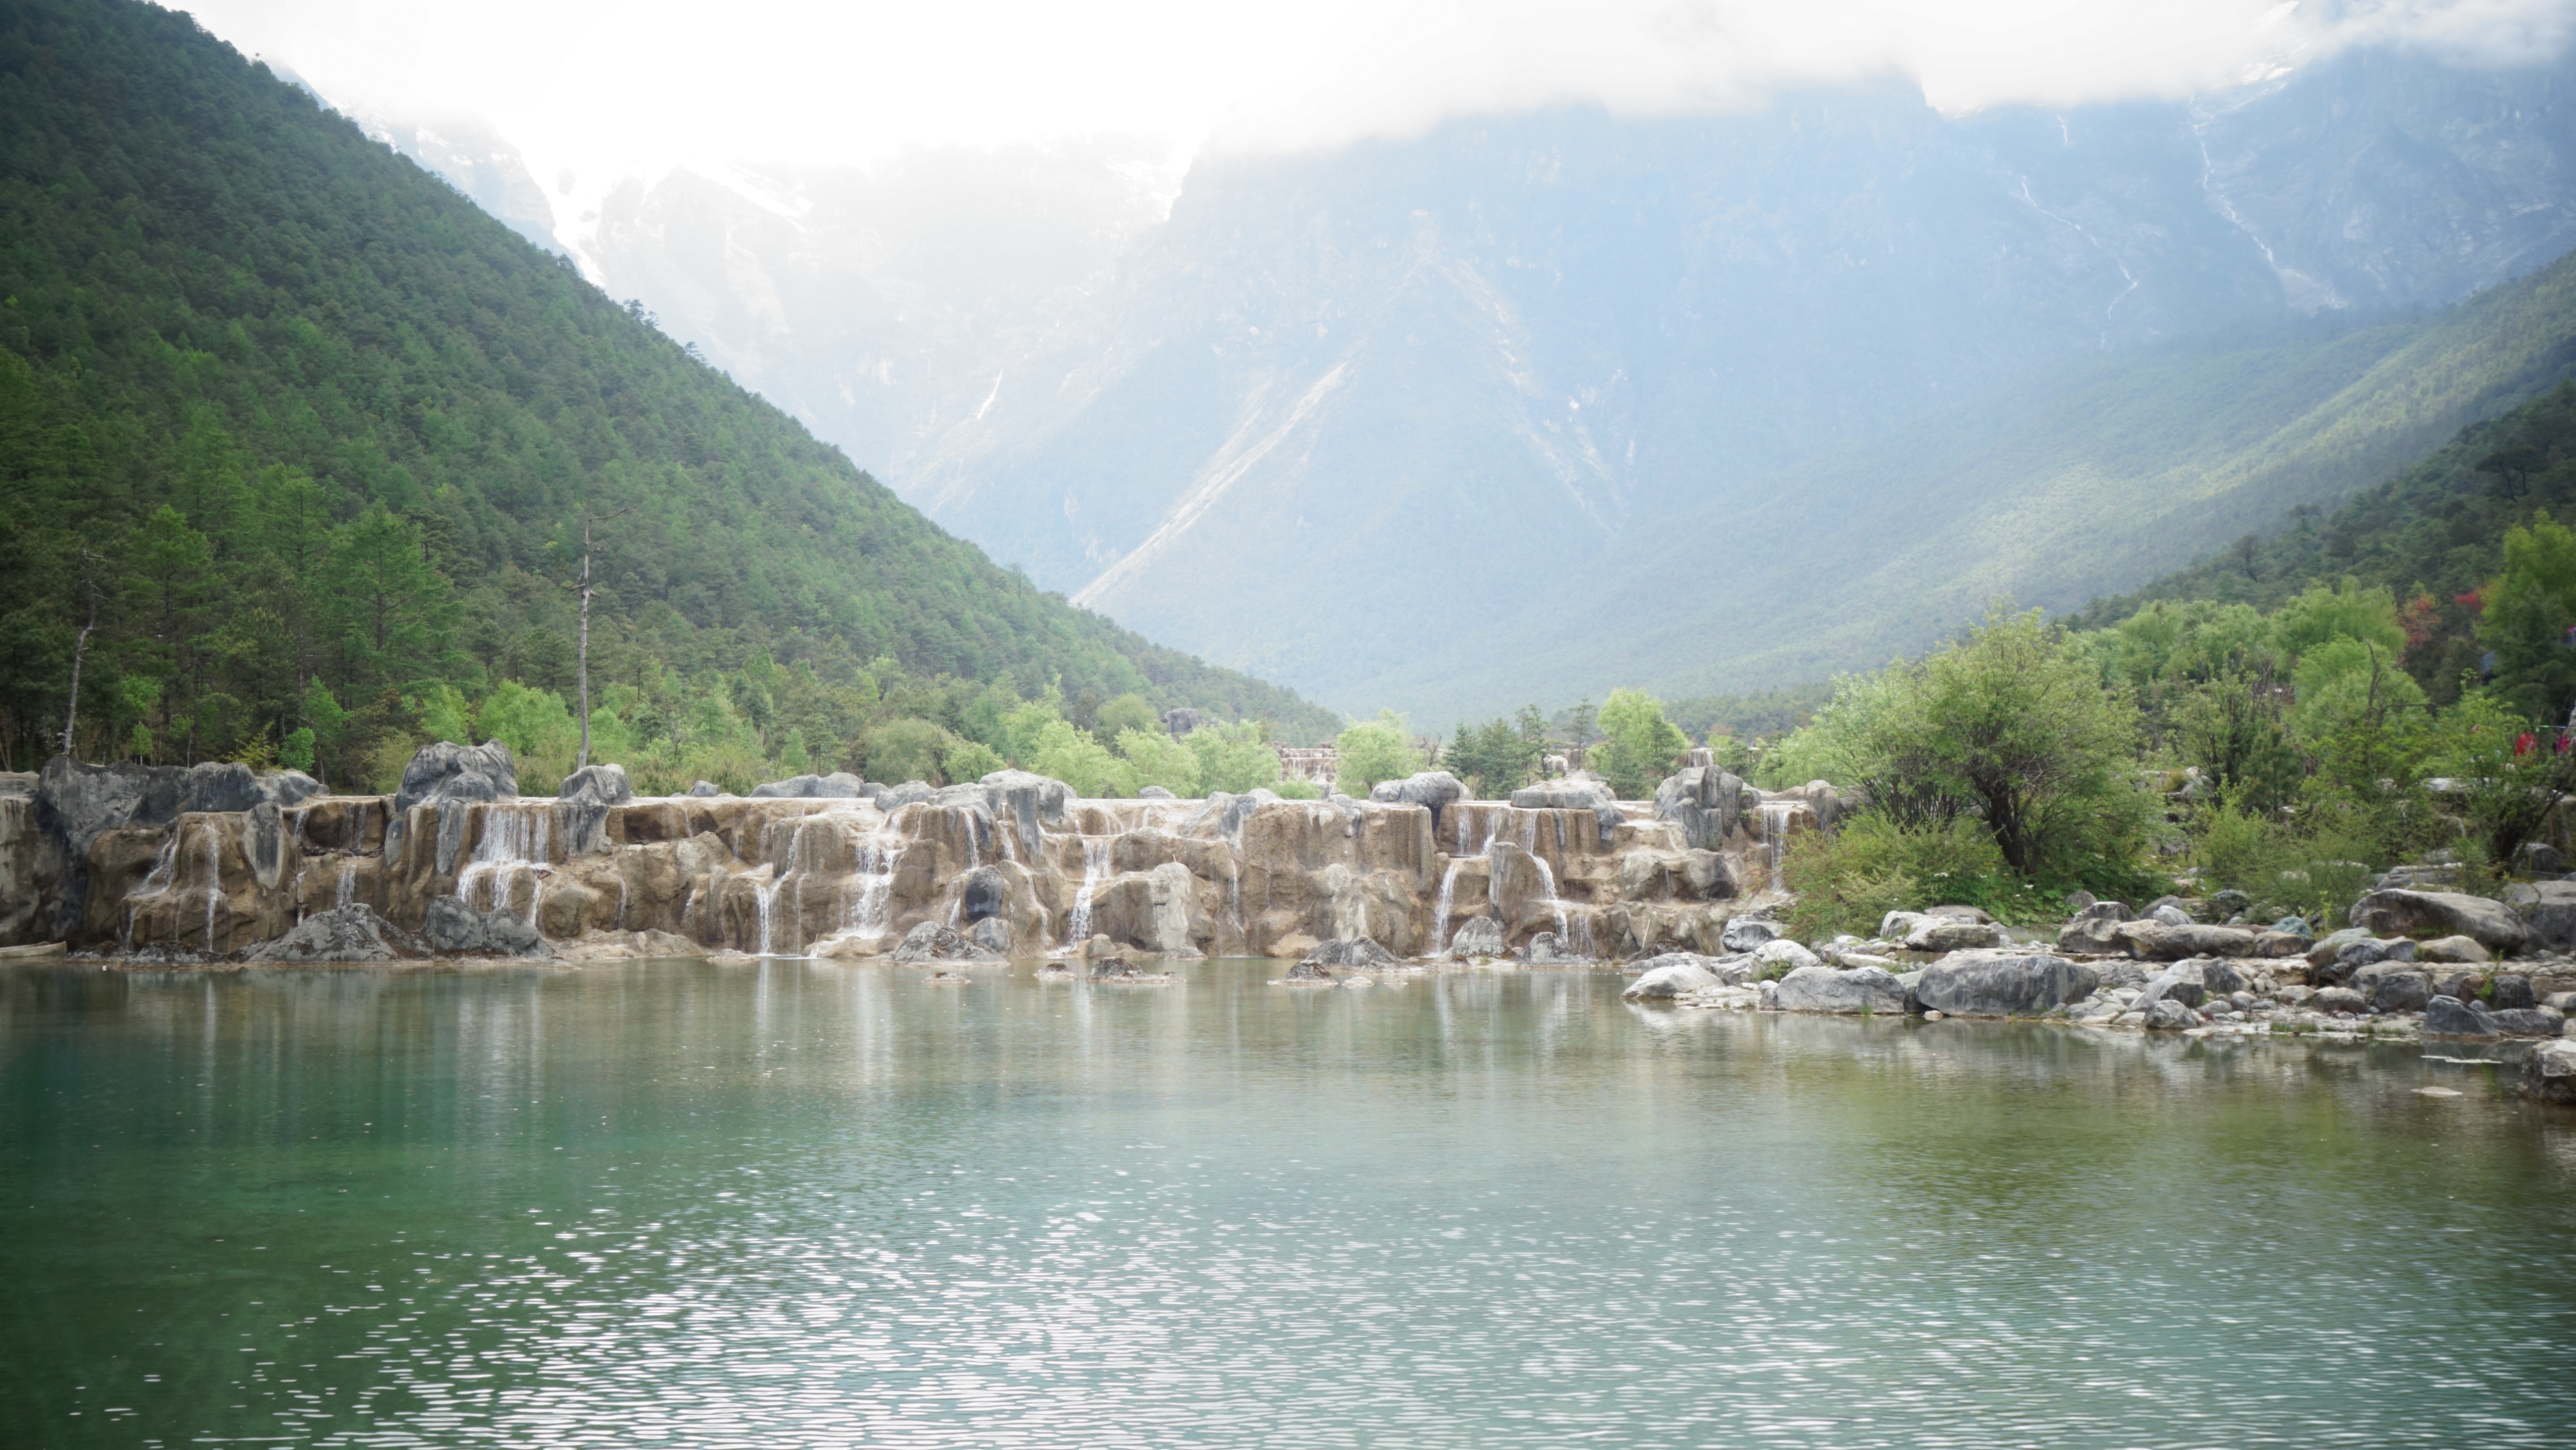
(2051, 493)
(287, 411)
(2435, 536)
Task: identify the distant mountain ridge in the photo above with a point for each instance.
(1339, 414)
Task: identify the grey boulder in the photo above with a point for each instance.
(447, 771)
(1361, 952)
(454, 929)
(839, 785)
(910, 793)
(2549, 1074)
(344, 934)
(2451, 1017)
(1746, 933)
(1434, 789)
(1479, 937)
(1574, 793)
(934, 941)
(598, 785)
(2167, 1015)
(2002, 984)
(2399, 912)
(2394, 986)
(1670, 980)
(1819, 988)
(1703, 801)
(1943, 933)
(2550, 909)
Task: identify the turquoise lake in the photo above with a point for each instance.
(815, 1204)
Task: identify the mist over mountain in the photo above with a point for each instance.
(1379, 422)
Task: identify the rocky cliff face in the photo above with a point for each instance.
(1014, 864)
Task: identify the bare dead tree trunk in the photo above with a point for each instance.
(80, 647)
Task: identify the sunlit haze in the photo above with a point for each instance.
(586, 88)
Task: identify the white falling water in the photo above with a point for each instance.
(164, 864)
(1095, 862)
(1449, 878)
(780, 873)
(1775, 838)
(1547, 879)
(348, 884)
(513, 845)
(1440, 913)
(214, 884)
(871, 915)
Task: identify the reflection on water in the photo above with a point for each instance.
(809, 1204)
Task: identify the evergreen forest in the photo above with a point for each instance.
(298, 449)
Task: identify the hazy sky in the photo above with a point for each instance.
(597, 89)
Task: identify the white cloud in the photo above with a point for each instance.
(636, 87)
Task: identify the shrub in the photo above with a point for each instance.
(1874, 865)
(2009, 726)
(1082, 762)
(1233, 757)
(969, 760)
(902, 750)
(1375, 750)
(1158, 759)
(1639, 745)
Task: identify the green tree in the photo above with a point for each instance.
(390, 609)
(968, 761)
(535, 724)
(1082, 762)
(1122, 713)
(1639, 745)
(1158, 759)
(1233, 758)
(2342, 610)
(906, 750)
(2529, 610)
(1375, 750)
(2010, 725)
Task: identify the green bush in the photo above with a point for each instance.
(1233, 757)
(902, 750)
(969, 760)
(1848, 881)
(1639, 746)
(2009, 726)
(1158, 759)
(1375, 750)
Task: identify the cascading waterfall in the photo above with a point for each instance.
(1547, 879)
(1449, 878)
(214, 884)
(1440, 913)
(513, 844)
(871, 914)
(155, 884)
(779, 875)
(1095, 862)
(1775, 838)
(348, 884)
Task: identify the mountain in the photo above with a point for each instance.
(282, 410)
(2431, 533)
(1448, 404)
